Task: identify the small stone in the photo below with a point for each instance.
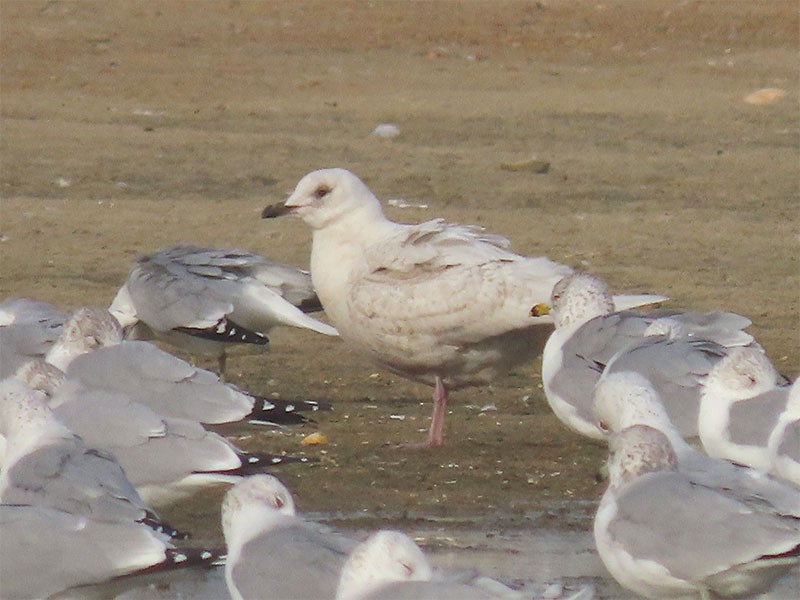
(765, 96)
(533, 165)
(386, 130)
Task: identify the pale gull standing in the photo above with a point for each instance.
(27, 330)
(48, 465)
(625, 399)
(274, 553)
(784, 442)
(91, 350)
(167, 459)
(445, 305)
(203, 299)
(661, 535)
(590, 330)
(742, 401)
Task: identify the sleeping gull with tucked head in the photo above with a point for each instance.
(742, 402)
(92, 351)
(784, 442)
(445, 305)
(388, 565)
(165, 458)
(625, 399)
(662, 536)
(673, 349)
(204, 299)
(273, 551)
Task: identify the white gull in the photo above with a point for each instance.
(784, 442)
(625, 399)
(91, 350)
(48, 465)
(167, 459)
(742, 402)
(445, 305)
(674, 349)
(28, 329)
(203, 299)
(661, 535)
(388, 565)
(271, 548)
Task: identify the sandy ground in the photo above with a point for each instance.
(127, 127)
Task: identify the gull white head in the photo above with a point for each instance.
(636, 451)
(625, 399)
(328, 196)
(41, 376)
(578, 298)
(25, 420)
(744, 373)
(253, 501)
(86, 330)
(386, 557)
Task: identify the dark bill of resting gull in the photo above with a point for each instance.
(46, 464)
(167, 459)
(445, 305)
(91, 349)
(673, 349)
(661, 535)
(742, 402)
(203, 299)
(270, 548)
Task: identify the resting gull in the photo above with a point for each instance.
(270, 548)
(742, 401)
(91, 350)
(673, 349)
(445, 305)
(784, 442)
(625, 399)
(48, 465)
(28, 329)
(661, 535)
(390, 566)
(44, 551)
(165, 458)
(203, 299)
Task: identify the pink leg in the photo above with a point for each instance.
(436, 432)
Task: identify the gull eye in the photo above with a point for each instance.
(279, 502)
(321, 192)
(407, 569)
(603, 426)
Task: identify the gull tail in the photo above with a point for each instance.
(227, 331)
(268, 411)
(259, 462)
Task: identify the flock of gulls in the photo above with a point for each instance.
(101, 428)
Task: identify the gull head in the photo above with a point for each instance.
(386, 557)
(41, 376)
(261, 495)
(625, 399)
(743, 373)
(23, 412)
(328, 196)
(578, 298)
(85, 331)
(636, 451)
